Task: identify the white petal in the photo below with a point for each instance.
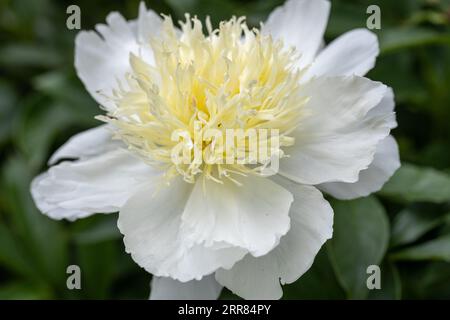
(149, 24)
(100, 184)
(150, 223)
(338, 135)
(386, 106)
(86, 144)
(385, 163)
(169, 289)
(102, 61)
(300, 23)
(253, 216)
(311, 225)
(353, 53)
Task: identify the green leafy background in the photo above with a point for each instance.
(405, 228)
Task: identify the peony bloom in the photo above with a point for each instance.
(199, 226)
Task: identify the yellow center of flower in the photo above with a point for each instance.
(232, 78)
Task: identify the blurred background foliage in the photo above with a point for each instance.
(405, 228)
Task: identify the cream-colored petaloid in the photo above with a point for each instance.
(229, 78)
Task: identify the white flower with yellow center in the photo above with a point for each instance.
(200, 225)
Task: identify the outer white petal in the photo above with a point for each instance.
(100, 184)
(353, 53)
(385, 163)
(86, 144)
(337, 137)
(169, 289)
(300, 23)
(311, 225)
(148, 24)
(102, 59)
(253, 216)
(150, 223)
(386, 106)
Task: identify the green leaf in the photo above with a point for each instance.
(391, 287)
(410, 224)
(228, 295)
(412, 183)
(319, 282)
(25, 55)
(8, 110)
(12, 255)
(406, 38)
(408, 85)
(130, 280)
(103, 229)
(98, 266)
(65, 89)
(437, 249)
(427, 281)
(39, 126)
(344, 17)
(23, 291)
(360, 238)
(44, 241)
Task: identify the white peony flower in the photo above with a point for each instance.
(197, 227)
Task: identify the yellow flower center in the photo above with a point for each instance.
(232, 78)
